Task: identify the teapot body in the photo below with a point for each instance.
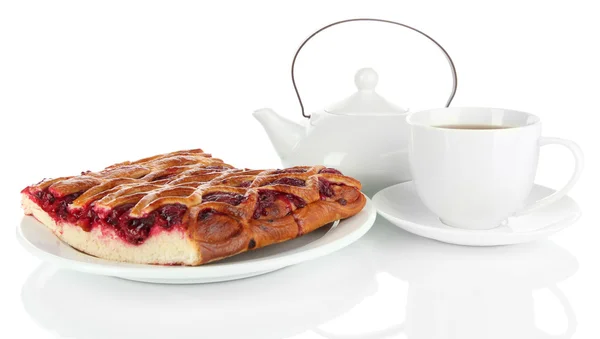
(364, 136)
(372, 149)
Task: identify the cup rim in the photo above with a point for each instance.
(534, 118)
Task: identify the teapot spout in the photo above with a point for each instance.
(284, 133)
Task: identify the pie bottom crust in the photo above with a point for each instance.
(178, 246)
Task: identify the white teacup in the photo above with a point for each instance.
(474, 167)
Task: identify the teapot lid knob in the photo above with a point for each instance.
(365, 101)
(366, 79)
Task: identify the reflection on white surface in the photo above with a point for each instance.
(390, 284)
(466, 292)
(276, 305)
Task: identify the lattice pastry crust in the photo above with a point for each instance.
(188, 208)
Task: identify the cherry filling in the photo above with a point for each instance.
(172, 214)
(56, 207)
(325, 188)
(245, 183)
(137, 230)
(289, 181)
(227, 197)
(326, 191)
(84, 218)
(115, 214)
(132, 230)
(267, 199)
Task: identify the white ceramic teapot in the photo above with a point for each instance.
(364, 136)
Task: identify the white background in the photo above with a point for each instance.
(84, 84)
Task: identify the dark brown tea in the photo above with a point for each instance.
(473, 126)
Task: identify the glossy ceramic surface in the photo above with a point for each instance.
(38, 240)
(477, 178)
(364, 136)
(401, 205)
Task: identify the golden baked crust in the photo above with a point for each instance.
(222, 210)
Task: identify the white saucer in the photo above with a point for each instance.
(401, 205)
(40, 241)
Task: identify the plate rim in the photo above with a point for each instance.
(141, 271)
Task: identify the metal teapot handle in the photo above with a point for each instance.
(454, 78)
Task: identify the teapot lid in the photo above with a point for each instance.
(365, 101)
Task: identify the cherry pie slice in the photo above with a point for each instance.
(188, 208)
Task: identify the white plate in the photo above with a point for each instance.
(41, 242)
(401, 205)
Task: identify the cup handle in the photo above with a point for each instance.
(554, 197)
